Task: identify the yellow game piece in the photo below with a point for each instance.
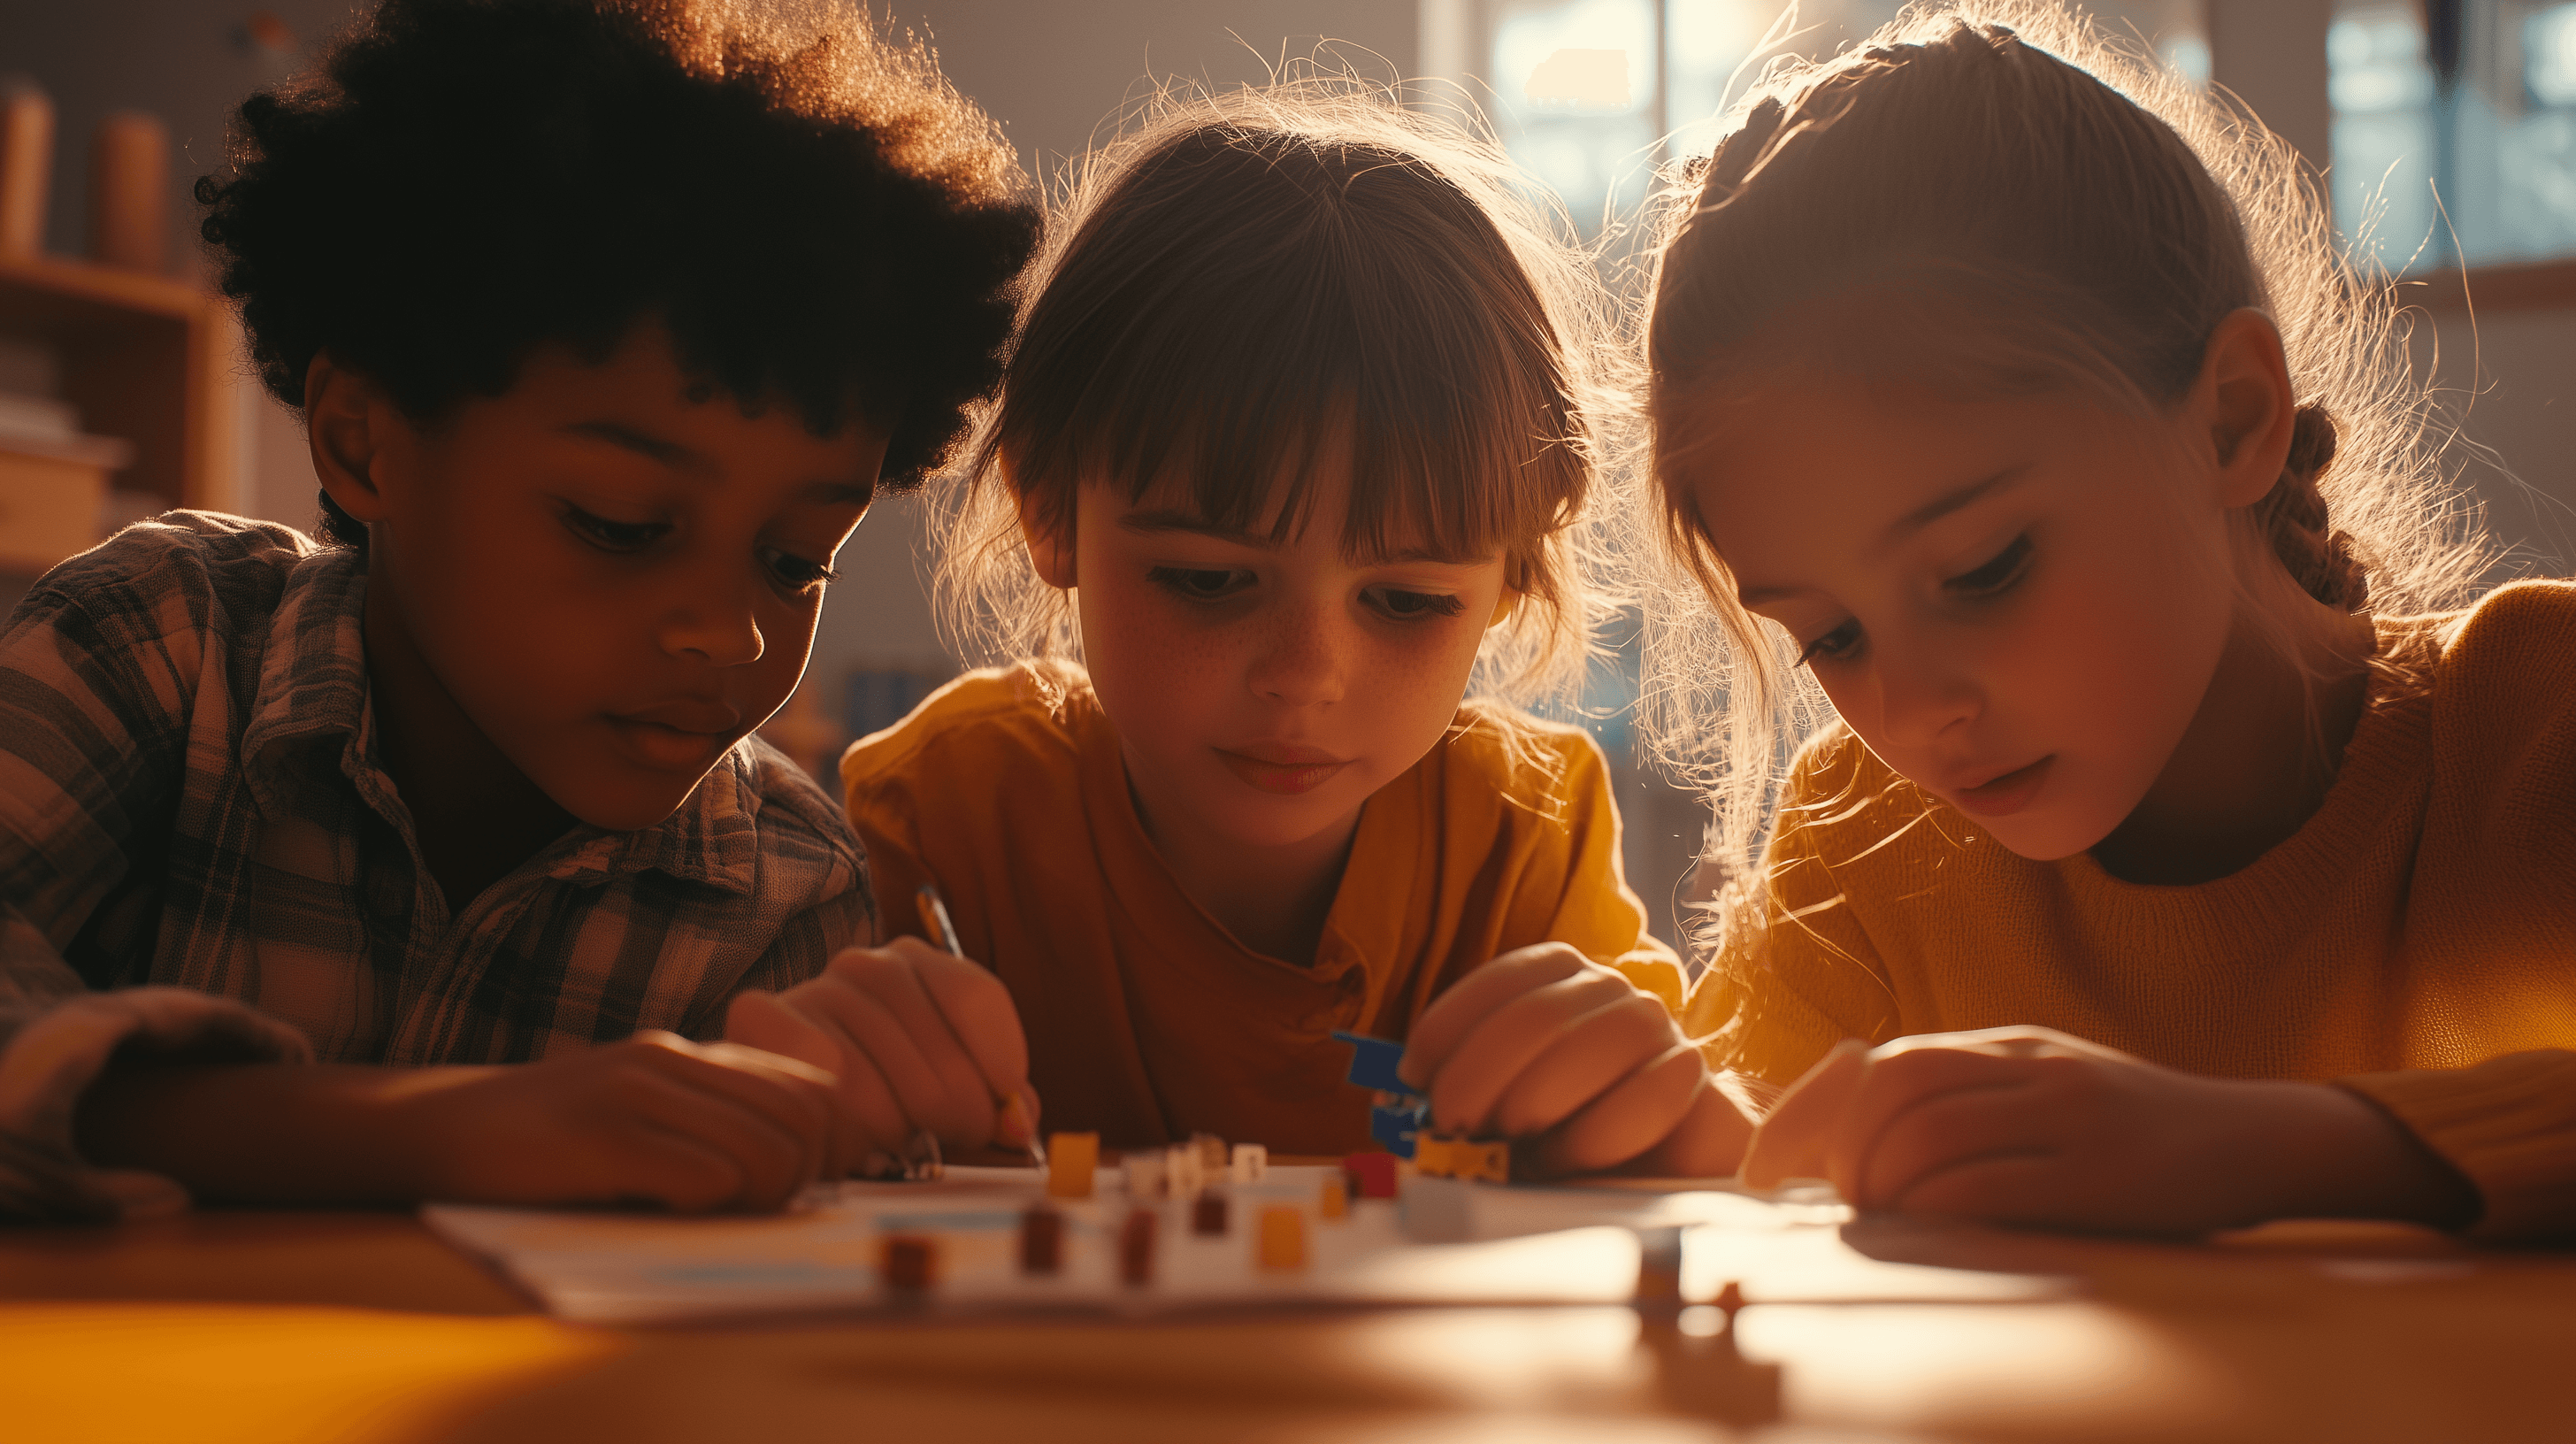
(1283, 1238)
(1334, 1199)
(1487, 1160)
(1071, 1157)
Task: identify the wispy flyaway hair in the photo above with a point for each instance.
(1239, 282)
(1991, 196)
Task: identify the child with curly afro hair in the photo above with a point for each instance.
(408, 863)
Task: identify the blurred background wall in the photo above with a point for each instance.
(2446, 130)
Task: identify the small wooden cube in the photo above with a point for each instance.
(1283, 1238)
(1041, 1241)
(1181, 1171)
(1207, 1216)
(1333, 1200)
(1211, 1153)
(1136, 1248)
(1071, 1158)
(1372, 1174)
(1250, 1163)
(908, 1261)
(1148, 1176)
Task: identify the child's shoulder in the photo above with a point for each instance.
(1521, 763)
(1842, 804)
(2504, 667)
(1034, 710)
(2537, 617)
(202, 566)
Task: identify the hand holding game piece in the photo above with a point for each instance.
(920, 1040)
(2028, 1125)
(1544, 1044)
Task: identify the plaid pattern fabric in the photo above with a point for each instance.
(190, 797)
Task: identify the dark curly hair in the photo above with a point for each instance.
(811, 209)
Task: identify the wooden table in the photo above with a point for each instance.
(276, 1326)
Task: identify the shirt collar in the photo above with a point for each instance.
(712, 839)
(313, 687)
(312, 673)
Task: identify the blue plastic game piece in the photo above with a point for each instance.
(1373, 1063)
(1398, 1128)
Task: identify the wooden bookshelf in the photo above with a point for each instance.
(146, 359)
(2538, 286)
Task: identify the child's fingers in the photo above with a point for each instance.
(673, 1168)
(1456, 1014)
(768, 1160)
(767, 1022)
(1471, 1081)
(883, 1014)
(1899, 1084)
(2022, 1188)
(1634, 1115)
(763, 1021)
(1791, 1142)
(1586, 1058)
(872, 1114)
(775, 1114)
(1708, 1142)
(1943, 1131)
(934, 1072)
(980, 1013)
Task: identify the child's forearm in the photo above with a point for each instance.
(270, 1132)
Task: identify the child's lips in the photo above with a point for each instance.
(676, 736)
(2006, 793)
(1284, 769)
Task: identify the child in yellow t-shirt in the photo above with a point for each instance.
(2167, 868)
(1295, 442)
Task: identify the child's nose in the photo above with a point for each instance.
(1303, 661)
(1923, 693)
(722, 630)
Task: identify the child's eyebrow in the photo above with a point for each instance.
(1907, 525)
(669, 453)
(1151, 522)
(682, 458)
(1951, 501)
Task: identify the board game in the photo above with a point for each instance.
(1240, 1243)
(1430, 1220)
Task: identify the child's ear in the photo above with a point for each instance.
(345, 422)
(2245, 396)
(1050, 544)
(1504, 606)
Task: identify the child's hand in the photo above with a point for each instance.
(920, 1041)
(691, 1126)
(1544, 1044)
(2031, 1126)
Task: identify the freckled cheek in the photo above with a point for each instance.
(1155, 673)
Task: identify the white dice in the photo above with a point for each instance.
(1250, 1163)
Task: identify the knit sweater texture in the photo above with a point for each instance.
(2414, 941)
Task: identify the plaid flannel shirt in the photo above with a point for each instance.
(199, 849)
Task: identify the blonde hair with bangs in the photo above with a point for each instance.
(2074, 214)
(1235, 279)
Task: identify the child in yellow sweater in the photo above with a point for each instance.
(2183, 852)
(1296, 442)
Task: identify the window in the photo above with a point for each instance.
(2454, 140)
(1592, 95)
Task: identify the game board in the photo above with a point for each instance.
(1198, 1225)
(1487, 1244)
